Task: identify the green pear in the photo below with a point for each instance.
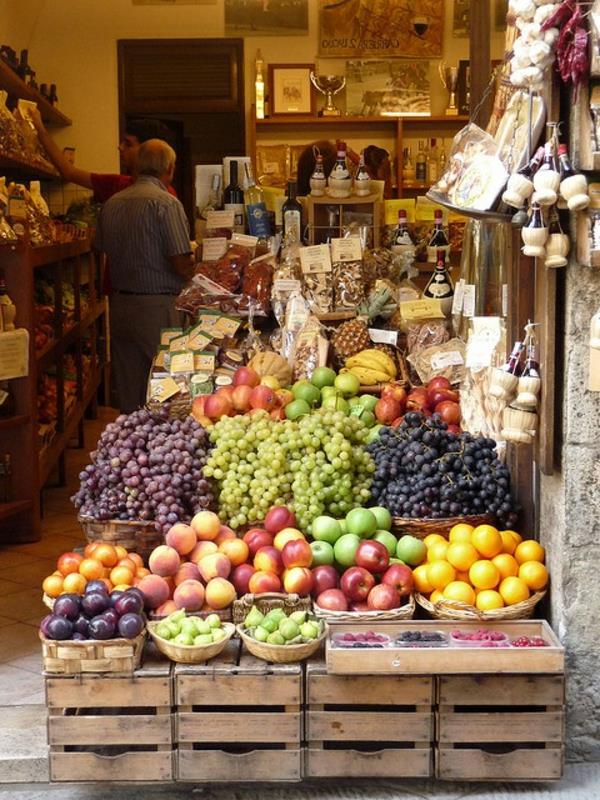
(218, 634)
(296, 640)
(270, 624)
(203, 627)
(261, 634)
(310, 630)
(275, 638)
(288, 628)
(188, 625)
(277, 614)
(204, 638)
(253, 618)
(176, 616)
(174, 627)
(163, 631)
(214, 621)
(184, 638)
(298, 616)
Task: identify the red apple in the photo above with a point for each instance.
(245, 376)
(360, 607)
(372, 556)
(240, 397)
(387, 409)
(268, 559)
(439, 382)
(356, 583)
(333, 600)
(298, 580)
(324, 577)
(278, 518)
(256, 538)
(400, 577)
(240, 577)
(226, 391)
(382, 597)
(449, 412)
(217, 406)
(397, 421)
(263, 397)
(437, 395)
(296, 553)
(397, 392)
(416, 400)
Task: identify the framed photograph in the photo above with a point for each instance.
(387, 88)
(291, 89)
(461, 17)
(266, 17)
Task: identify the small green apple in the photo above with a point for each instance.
(361, 521)
(388, 540)
(345, 549)
(368, 401)
(326, 529)
(411, 550)
(383, 517)
(322, 553)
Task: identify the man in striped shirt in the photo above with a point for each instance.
(145, 233)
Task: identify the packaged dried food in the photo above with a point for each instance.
(317, 278)
(421, 335)
(272, 164)
(346, 256)
(257, 282)
(376, 264)
(310, 349)
(446, 360)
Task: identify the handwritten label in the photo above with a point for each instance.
(213, 249)
(244, 240)
(459, 296)
(286, 285)
(315, 259)
(220, 219)
(469, 300)
(383, 337)
(428, 308)
(162, 389)
(346, 249)
(442, 360)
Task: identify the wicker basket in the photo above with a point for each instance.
(406, 611)
(74, 657)
(420, 528)
(224, 614)
(178, 408)
(136, 536)
(453, 609)
(267, 601)
(190, 654)
(48, 601)
(281, 653)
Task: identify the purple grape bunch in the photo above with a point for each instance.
(149, 467)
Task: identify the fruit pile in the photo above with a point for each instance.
(481, 637)
(436, 397)
(96, 615)
(146, 467)
(368, 639)
(188, 631)
(276, 627)
(424, 470)
(316, 465)
(371, 367)
(481, 566)
(529, 641)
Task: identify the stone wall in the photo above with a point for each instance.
(570, 521)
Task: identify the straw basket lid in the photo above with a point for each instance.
(190, 654)
(454, 609)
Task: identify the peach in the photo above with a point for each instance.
(167, 608)
(207, 525)
(164, 561)
(268, 559)
(245, 376)
(241, 397)
(287, 535)
(202, 549)
(189, 595)
(298, 580)
(187, 572)
(240, 577)
(236, 550)
(264, 582)
(297, 553)
(225, 533)
(155, 590)
(256, 538)
(181, 538)
(214, 565)
(220, 593)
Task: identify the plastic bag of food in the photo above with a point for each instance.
(348, 283)
(317, 278)
(257, 282)
(310, 349)
(297, 314)
(426, 333)
(227, 271)
(376, 264)
(446, 360)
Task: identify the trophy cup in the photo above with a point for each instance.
(329, 85)
(449, 77)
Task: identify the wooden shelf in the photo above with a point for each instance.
(26, 169)
(57, 347)
(14, 422)
(16, 87)
(52, 253)
(8, 510)
(291, 119)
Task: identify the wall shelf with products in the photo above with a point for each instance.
(65, 369)
(17, 88)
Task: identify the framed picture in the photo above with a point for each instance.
(461, 17)
(463, 88)
(291, 89)
(266, 17)
(387, 88)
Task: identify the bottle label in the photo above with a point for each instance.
(469, 300)
(439, 287)
(459, 296)
(432, 252)
(292, 222)
(258, 220)
(238, 215)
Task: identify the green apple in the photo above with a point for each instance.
(203, 638)
(388, 540)
(396, 561)
(214, 620)
(322, 377)
(411, 550)
(329, 391)
(322, 553)
(347, 383)
(354, 402)
(289, 629)
(305, 390)
(368, 401)
(345, 549)
(343, 525)
(269, 624)
(383, 517)
(261, 634)
(297, 408)
(275, 638)
(361, 521)
(326, 529)
(335, 403)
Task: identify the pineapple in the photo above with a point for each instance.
(350, 338)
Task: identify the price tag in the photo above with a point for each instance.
(244, 240)
(166, 334)
(14, 354)
(286, 285)
(162, 388)
(225, 326)
(451, 359)
(505, 299)
(178, 343)
(469, 300)
(182, 361)
(213, 249)
(428, 308)
(459, 296)
(220, 219)
(380, 336)
(315, 259)
(346, 249)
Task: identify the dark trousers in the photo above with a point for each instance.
(135, 324)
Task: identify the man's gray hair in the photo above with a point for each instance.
(155, 157)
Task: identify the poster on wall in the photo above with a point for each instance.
(387, 88)
(381, 28)
(174, 2)
(461, 17)
(266, 17)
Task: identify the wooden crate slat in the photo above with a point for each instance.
(546, 726)
(142, 767)
(330, 689)
(520, 765)
(241, 727)
(258, 765)
(389, 763)
(90, 691)
(138, 729)
(234, 688)
(223, 664)
(529, 690)
(367, 726)
(249, 664)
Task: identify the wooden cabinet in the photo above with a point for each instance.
(328, 216)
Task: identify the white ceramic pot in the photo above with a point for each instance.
(575, 191)
(557, 250)
(518, 190)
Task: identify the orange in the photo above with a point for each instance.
(436, 596)
(68, 563)
(136, 558)
(106, 554)
(484, 575)
(516, 536)
(513, 590)
(508, 542)
(530, 550)
(488, 599)
(487, 541)
(461, 591)
(121, 551)
(421, 582)
(431, 538)
(534, 574)
(74, 583)
(463, 576)
(440, 574)
(52, 585)
(437, 551)
(461, 533)
(91, 569)
(129, 563)
(89, 549)
(120, 575)
(506, 564)
(461, 555)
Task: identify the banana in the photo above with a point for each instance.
(368, 377)
(373, 359)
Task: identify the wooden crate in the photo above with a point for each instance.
(112, 728)
(238, 719)
(500, 727)
(357, 726)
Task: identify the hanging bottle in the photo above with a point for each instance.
(503, 381)
(573, 185)
(530, 381)
(362, 179)
(438, 239)
(340, 181)
(520, 184)
(440, 286)
(546, 180)
(318, 180)
(535, 233)
(557, 243)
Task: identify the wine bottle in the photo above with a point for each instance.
(256, 208)
(531, 368)
(402, 240)
(535, 233)
(421, 165)
(512, 366)
(7, 400)
(408, 168)
(318, 181)
(340, 180)
(213, 202)
(233, 198)
(433, 163)
(291, 213)
(362, 179)
(438, 239)
(440, 286)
